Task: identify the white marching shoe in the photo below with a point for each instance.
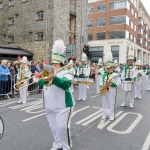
(111, 118)
(19, 102)
(104, 117)
(123, 105)
(131, 105)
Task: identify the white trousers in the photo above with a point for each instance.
(23, 93)
(59, 123)
(108, 101)
(148, 82)
(82, 91)
(98, 79)
(129, 98)
(138, 88)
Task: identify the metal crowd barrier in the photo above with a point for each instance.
(6, 86)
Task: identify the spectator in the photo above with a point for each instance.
(12, 72)
(4, 72)
(16, 67)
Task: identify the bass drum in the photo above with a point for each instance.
(1, 127)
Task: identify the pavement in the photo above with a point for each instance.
(26, 127)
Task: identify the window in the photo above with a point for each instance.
(132, 11)
(90, 10)
(101, 8)
(115, 52)
(101, 22)
(117, 34)
(138, 40)
(90, 37)
(135, 15)
(118, 20)
(101, 36)
(11, 21)
(10, 39)
(90, 23)
(1, 5)
(40, 15)
(132, 25)
(117, 5)
(40, 36)
(135, 28)
(11, 2)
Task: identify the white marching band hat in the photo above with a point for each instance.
(130, 55)
(100, 62)
(139, 63)
(84, 57)
(25, 60)
(58, 51)
(109, 59)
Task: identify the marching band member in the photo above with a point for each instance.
(58, 99)
(83, 72)
(129, 74)
(23, 73)
(117, 71)
(99, 73)
(147, 72)
(138, 81)
(109, 97)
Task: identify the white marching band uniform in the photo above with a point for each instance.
(138, 81)
(99, 74)
(147, 72)
(27, 74)
(109, 98)
(58, 115)
(83, 72)
(58, 101)
(129, 72)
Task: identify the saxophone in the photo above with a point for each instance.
(106, 87)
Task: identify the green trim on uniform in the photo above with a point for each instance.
(68, 135)
(64, 84)
(41, 83)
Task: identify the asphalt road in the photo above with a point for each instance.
(26, 127)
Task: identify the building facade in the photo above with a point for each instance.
(115, 25)
(35, 24)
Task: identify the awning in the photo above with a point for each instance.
(14, 51)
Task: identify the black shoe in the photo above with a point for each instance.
(60, 149)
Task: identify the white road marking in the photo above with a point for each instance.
(92, 119)
(77, 111)
(146, 145)
(10, 102)
(31, 107)
(74, 113)
(95, 96)
(88, 117)
(33, 117)
(103, 123)
(130, 128)
(27, 104)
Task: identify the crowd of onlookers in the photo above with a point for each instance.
(8, 72)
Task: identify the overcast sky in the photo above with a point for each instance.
(146, 3)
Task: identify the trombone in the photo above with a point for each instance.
(18, 86)
(44, 74)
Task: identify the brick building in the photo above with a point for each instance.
(35, 24)
(118, 26)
